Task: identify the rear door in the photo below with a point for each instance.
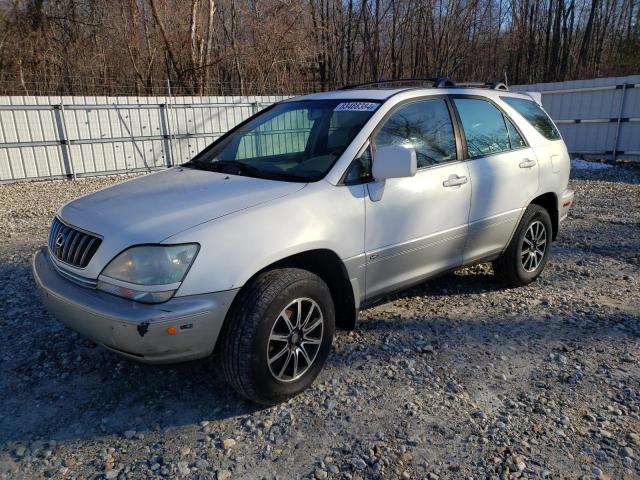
(504, 175)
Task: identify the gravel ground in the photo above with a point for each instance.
(458, 378)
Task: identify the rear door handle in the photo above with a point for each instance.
(454, 181)
(527, 163)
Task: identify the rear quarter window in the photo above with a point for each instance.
(535, 115)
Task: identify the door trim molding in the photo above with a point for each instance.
(397, 249)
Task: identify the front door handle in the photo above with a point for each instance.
(454, 181)
(527, 163)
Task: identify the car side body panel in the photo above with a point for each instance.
(417, 228)
(319, 216)
(501, 190)
(554, 164)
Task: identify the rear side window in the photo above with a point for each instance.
(535, 116)
(485, 128)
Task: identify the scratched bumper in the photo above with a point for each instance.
(130, 328)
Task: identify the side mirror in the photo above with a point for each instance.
(394, 162)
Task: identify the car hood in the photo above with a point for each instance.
(151, 208)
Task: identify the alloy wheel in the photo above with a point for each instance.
(534, 246)
(295, 339)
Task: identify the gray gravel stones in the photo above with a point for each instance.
(111, 474)
(320, 474)
(457, 378)
(228, 443)
(223, 475)
(183, 468)
(627, 452)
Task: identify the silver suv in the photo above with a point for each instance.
(290, 223)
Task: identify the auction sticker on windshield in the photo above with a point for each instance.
(356, 107)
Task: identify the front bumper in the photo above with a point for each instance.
(133, 329)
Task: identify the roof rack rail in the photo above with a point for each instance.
(489, 85)
(435, 82)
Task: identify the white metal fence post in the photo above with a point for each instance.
(63, 138)
(166, 135)
(620, 113)
(169, 122)
(254, 109)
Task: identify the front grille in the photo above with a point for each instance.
(73, 277)
(72, 246)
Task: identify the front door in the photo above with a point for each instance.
(416, 226)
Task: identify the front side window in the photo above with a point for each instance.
(293, 141)
(535, 115)
(360, 169)
(484, 127)
(424, 125)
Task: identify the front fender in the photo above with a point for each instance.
(233, 248)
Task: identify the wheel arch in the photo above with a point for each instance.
(331, 269)
(549, 201)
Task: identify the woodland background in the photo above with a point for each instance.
(217, 47)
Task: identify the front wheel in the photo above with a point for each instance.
(527, 254)
(278, 335)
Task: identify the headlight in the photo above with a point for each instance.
(150, 273)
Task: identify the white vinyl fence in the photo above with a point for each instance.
(67, 137)
(598, 117)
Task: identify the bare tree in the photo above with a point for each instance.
(292, 46)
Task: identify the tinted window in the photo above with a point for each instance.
(484, 127)
(535, 116)
(426, 126)
(516, 139)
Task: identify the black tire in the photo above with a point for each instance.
(246, 333)
(510, 267)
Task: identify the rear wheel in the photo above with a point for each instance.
(278, 335)
(528, 252)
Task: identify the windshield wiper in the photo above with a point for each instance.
(198, 165)
(226, 166)
(218, 166)
(235, 167)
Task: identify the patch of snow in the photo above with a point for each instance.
(579, 164)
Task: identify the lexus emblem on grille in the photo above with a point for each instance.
(59, 240)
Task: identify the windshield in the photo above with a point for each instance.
(292, 141)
